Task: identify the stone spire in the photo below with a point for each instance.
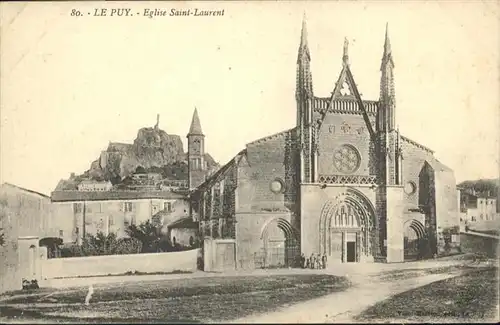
(304, 78)
(387, 56)
(304, 46)
(386, 120)
(195, 128)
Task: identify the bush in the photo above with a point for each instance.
(72, 251)
(99, 244)
(148, 234)
(128, 246)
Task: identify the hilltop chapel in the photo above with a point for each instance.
(343, 183)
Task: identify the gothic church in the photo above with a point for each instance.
(342, 183)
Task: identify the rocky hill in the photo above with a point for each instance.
(153, 149)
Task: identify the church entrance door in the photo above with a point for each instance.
(351, 251)
(280, 247)
(346, 229)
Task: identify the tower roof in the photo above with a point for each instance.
(387, 56)
(304, 47)
(195, 128)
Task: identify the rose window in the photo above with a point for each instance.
(346, 159)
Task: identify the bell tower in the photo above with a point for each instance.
(388, 136)
(196, 153)
(389, 153)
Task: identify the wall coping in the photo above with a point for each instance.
(120, 256)
(341, 185)
(27, 237)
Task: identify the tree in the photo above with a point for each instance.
(99, 244)
(2, 237)
(147, 233)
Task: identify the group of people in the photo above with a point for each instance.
(315, 261)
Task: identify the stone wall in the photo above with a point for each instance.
(470, 243)
(119, 264)
(219, 254)
(269, 159)
(395, 221)
(413, 161)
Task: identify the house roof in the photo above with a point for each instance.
(186, 222)
(89, 181)
(64, 196)
(24, 189)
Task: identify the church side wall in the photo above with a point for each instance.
(269, 160)
(413, 161)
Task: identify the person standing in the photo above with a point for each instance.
(324, 261)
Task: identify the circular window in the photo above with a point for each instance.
(346, 159)
(277, 186)
(410, 188)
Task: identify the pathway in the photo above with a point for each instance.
(366, 291)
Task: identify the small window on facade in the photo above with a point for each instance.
(128, 207)
(77, 230)
(77, 207)
(61, 233)
(111, 220)
(167, 206)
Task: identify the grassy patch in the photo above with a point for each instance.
(191, 300)
(472, 295)
(413, 273)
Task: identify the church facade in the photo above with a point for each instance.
(343, 183)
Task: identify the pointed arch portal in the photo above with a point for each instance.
(347, 228)
(279, 245)
(415, 240)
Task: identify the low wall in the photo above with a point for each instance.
(119, 264)
(470, 243)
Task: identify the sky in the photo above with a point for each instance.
(69, 85)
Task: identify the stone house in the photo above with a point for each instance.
(25, 220)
